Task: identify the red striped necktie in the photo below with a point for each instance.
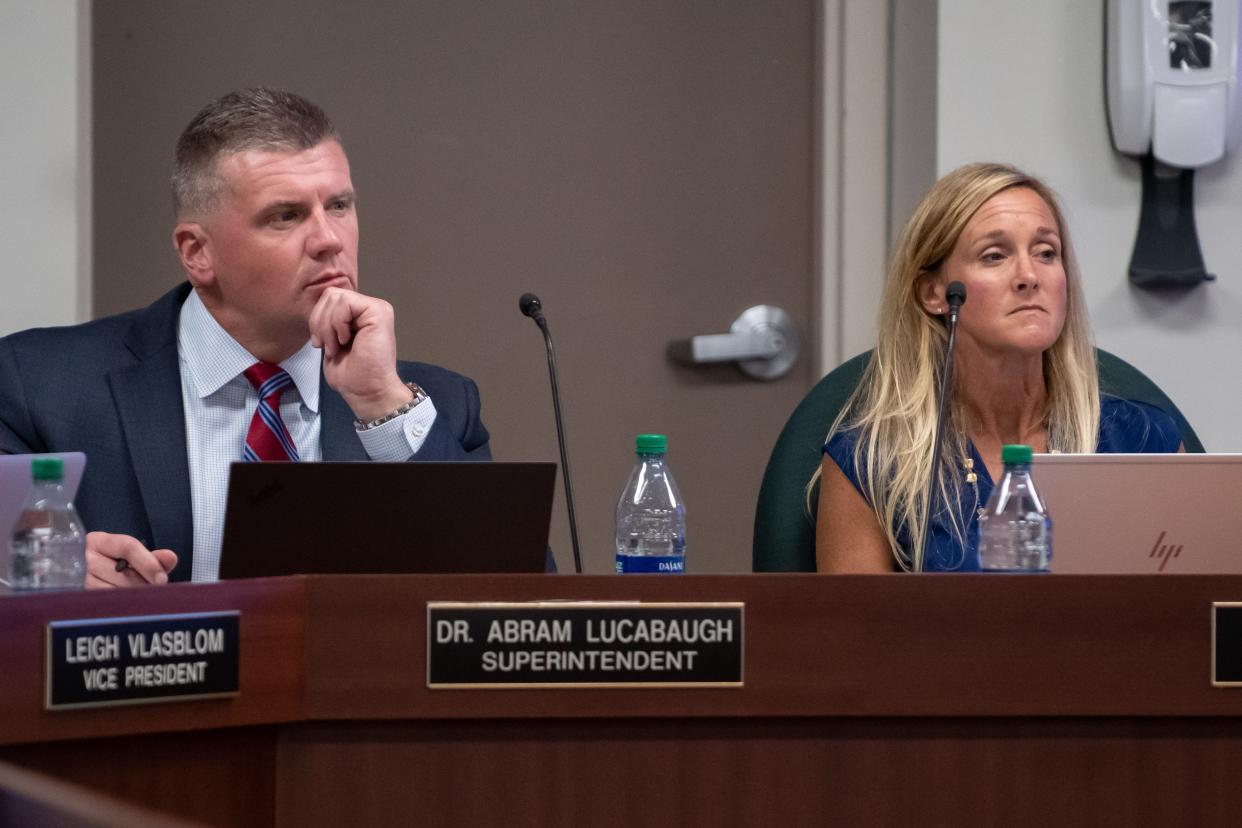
(268, 439)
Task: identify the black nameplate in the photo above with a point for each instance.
(150, 658)
(584, 644)
(1226, 644)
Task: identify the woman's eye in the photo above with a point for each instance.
(993, 256)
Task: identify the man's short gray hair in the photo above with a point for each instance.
(262, 119)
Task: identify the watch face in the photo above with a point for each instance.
(1189, 38)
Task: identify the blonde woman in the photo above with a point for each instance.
(1024, 373)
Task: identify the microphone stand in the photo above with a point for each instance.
(530, 305)
(955, 296)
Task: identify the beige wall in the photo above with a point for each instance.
(45, 163)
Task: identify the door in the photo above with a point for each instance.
(647, 168)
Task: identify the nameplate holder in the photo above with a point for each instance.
(99, 662)
(1227, 643)
(584, 644)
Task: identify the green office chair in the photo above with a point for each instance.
(784, 539)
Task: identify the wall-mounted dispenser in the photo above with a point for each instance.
(1173, 100)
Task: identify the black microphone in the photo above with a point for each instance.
(530, 306)
(955, 296)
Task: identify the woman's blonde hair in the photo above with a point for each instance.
(895, 404)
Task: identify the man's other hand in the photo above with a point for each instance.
(105, 553)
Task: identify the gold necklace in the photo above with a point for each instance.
(968, 464)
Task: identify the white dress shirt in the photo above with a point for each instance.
(220, 402)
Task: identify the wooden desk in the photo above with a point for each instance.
(964, 700)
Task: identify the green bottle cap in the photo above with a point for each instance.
(650, 444)
(1016, 454)
(47, 469)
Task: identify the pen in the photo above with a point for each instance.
(122, 564)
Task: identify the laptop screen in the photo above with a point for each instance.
(311, 518)
(1142, 513)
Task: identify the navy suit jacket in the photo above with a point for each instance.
(112, 389)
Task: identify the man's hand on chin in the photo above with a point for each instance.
(122, 560)
(357, 334)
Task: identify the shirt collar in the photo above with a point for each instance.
(213, 358)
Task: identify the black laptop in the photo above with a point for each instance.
(384, 518)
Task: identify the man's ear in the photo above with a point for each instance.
(191, 243)
(930, 293)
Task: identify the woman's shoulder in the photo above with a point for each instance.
(842, 447)
(846, 442)
(844, 438)
(1134, 427)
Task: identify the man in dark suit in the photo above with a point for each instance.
(163, 399)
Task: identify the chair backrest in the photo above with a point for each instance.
(784, 539)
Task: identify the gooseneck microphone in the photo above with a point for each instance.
(955, 297)
(530, 306)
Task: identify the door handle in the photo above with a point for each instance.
(763, 341)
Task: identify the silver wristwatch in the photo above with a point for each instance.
(419, 396)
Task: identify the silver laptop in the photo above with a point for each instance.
(1143, 513)
(15, 486)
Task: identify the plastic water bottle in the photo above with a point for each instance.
(651, 519)
(1015, 531)
(48, 547)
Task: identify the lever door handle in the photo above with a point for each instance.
(732, 346)
(763, 341)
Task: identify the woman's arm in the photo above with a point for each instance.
(847, 536)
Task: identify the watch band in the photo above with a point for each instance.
(419, 396)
